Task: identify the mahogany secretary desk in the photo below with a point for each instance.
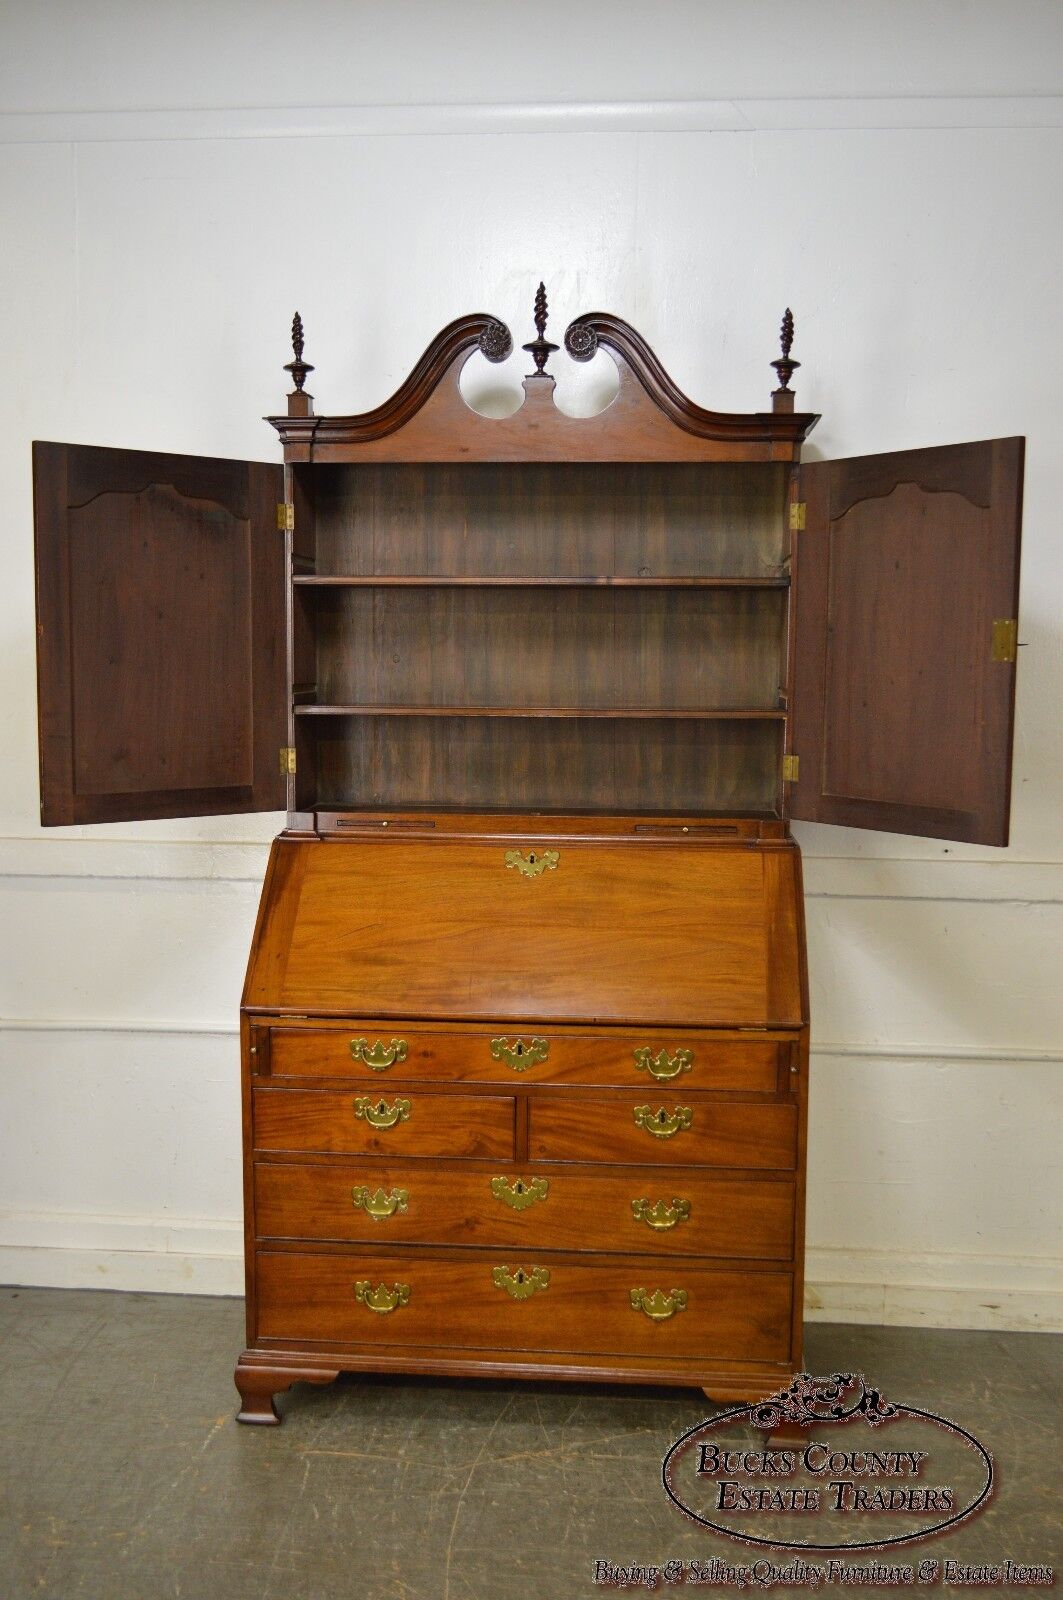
(525, 1025)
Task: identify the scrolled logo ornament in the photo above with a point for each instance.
(832, 1399)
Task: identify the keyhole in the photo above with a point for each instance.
(531, 857)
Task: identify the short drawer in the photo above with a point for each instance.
(526, 1052)
(642, 1210)
(489, 1301)
(383, 1122)
(667, 1128)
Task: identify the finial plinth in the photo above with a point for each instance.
(785, 366)
(300, 404)
(540, 349)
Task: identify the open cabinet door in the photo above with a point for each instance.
(906, 596)
(160, 634)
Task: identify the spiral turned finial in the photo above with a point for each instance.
(540, 348)
(784, 365)
(298, 368)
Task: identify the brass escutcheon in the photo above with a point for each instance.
(662, 1216)
(520, 1284)
(379, 1114)
(520, 1055)
(377, 1204)
(520, 1193)
(662, 1065)
(658, 1306)
(535, 863)
(381, 1299)
(379, 1056)
(662, 1124)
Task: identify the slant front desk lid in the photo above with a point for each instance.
(549, 926)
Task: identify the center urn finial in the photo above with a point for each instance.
(540, 348)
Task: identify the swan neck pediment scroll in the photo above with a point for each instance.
(649, 418)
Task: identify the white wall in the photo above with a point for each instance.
(175, 181)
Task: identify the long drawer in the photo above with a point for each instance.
(641, 1210)
(665, 1127)
(524, 1052)
(489, 1301)
(383, 1122)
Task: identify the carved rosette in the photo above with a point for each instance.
(830, 1399)
(496, 341)
(581, 341)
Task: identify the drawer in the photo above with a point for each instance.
(663, 1127)
(641, 1211)
(525, 1052)
(383, 1122)
(489, 1301)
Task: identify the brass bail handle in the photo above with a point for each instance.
(381, 1299)
(662, 1066)
(658, 1306)
(379, 1056)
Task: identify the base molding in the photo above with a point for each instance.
(262, 1373)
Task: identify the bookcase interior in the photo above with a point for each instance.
(539, 635)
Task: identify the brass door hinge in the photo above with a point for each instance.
(287, 760)
(791, 766)
(1004, 643)
(797, 516)
(285, 518)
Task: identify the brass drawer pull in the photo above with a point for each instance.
(379, 1056)
(662, 1065)
(662, 1216)
(520, 1284)
(520, 1055)
(377, 1204)
(535, 863)
(381, 1299)
(380, 1114)
(662, 1125)
(658, 1306)
(520, 1193)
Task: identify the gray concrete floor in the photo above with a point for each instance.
(124, 1475)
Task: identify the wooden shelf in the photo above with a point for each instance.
(431, 581)
(652, 713)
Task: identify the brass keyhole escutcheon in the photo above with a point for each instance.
(662, 1123)
(535, 863)
(521, 1054)
(379, 1114)
(521, 1284)
(520, 1193)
